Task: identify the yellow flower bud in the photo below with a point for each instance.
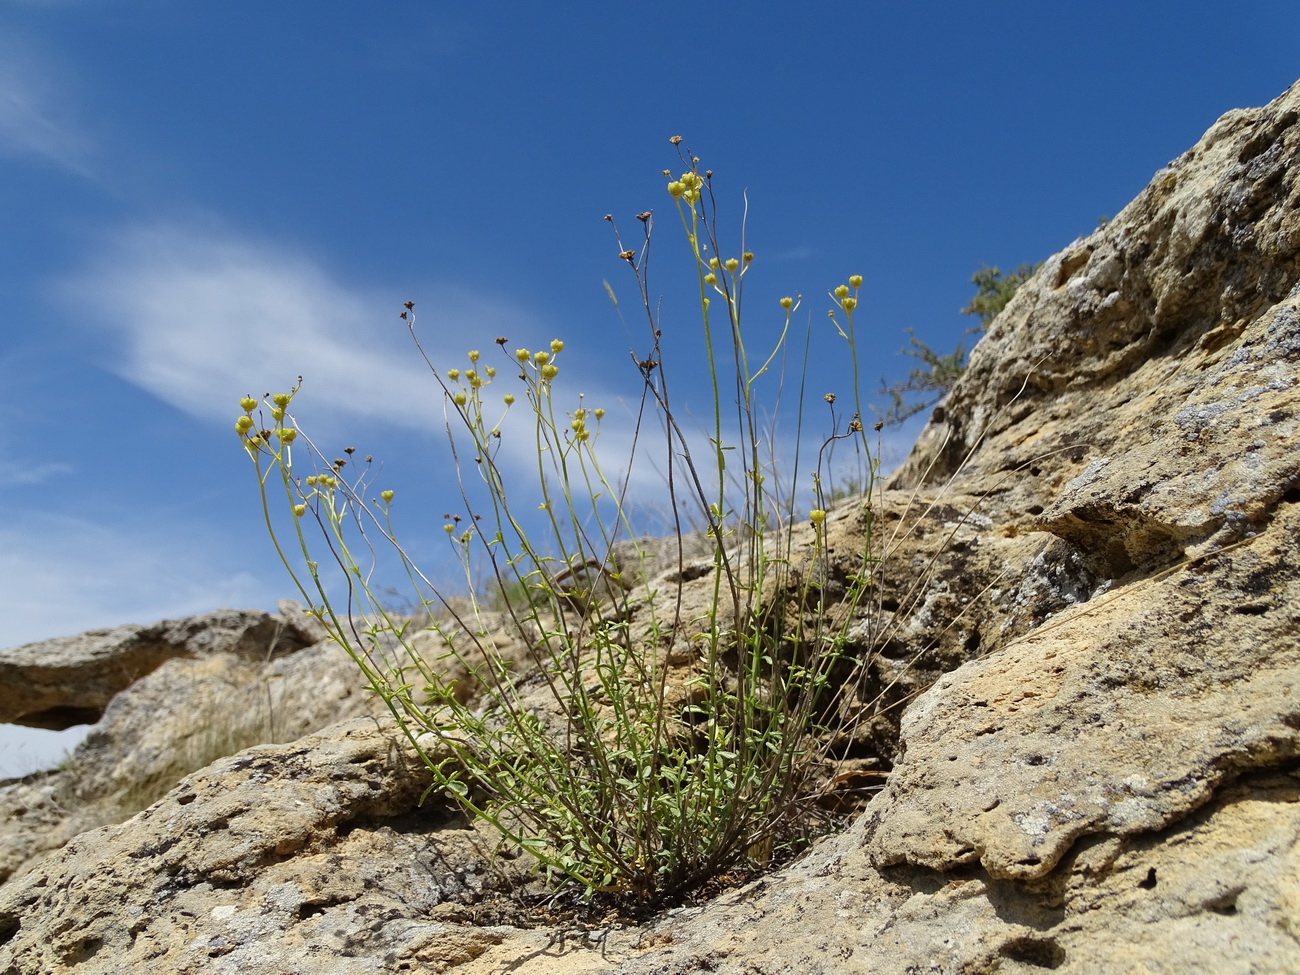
(787, 303)
(286, 436)
(848, 304)
(299, 510)
(856, 280)
(453, 374)
(550, 372)
(243, 425)
(510, 399)
(459, 399)
(710, 278)
(817, 516)
(522, 354)
(747, 256)
(449, 528)
(248, 404)
(281, 399)
(387, 496)
(731, 264)
(600, 414)
(713, 263)
(491, 371)
(473, 356)
(842, 291)
(541, 358)
(676, 189)
(277, 413)
(557, 346)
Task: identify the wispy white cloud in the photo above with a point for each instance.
(35, 117)
(17, 474)
(199, 318)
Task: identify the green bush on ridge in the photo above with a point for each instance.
(993, 290)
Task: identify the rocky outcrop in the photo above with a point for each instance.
(220, 692)
(66, 681)
(1095, 563)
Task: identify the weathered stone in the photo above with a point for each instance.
(182, 716)
(313, 857)
(65, 681)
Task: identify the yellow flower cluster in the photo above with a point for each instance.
(579, 425)
(245, 425)
(687, 187)
(846, 300)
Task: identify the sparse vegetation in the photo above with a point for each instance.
(653, 747)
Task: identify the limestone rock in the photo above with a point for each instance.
(1214, 895)
(58, 683)
(313, 857)
(182, 716)
(1112, 785)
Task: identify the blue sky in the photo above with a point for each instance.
(200, 200)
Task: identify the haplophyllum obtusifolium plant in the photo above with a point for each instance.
(619, 781)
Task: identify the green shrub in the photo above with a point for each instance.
(648, 751)
(993, 290)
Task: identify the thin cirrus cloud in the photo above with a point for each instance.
(15, 473)
(35, 120)
(199, 319)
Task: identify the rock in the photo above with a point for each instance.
(58, 683)
(1094, 560)
(313, 857)
(185, 714)
(1121, 717)
(1214, 894)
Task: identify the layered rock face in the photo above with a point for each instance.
(1104, 777)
